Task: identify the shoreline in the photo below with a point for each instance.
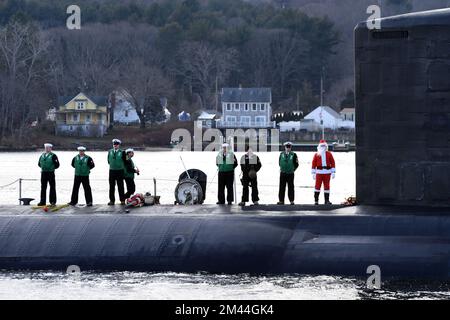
(38, 149)
(304, 146)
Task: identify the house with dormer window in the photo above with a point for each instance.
(246, 108)
(82, 115)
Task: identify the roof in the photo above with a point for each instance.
(345, 110)
(330, 111)
(424, 18)
(184, 116)
(207, 116)
(98, 100)
(327, 109)
(246, 95)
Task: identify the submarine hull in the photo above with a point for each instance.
(339, 241)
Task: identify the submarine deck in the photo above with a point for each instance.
(209, 210)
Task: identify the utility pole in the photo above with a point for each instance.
(217, 95)
(321, 89)
(321, 104)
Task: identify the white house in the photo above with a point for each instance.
(125, 113)
(167, 114)
(309, 125)
(184, 116)
(51, 114)
(331, 119)
(306, 125)
(288, 126)
(346, 124)
(348, 114)
(246, 108)
(207, 119)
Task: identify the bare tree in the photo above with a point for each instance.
(286, 52)
(256, 59)
(22, 49)
(202, 64)
(143, 85)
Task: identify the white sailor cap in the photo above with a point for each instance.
(225, 145)
(81, 148)
(129, 150)
(116, 141)
(288, 143)
(48, 145)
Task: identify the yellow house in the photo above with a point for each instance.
(82, 115)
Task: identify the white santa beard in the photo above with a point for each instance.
(323, 155)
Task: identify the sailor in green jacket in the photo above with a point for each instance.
(130, 170)
(226, 162)
(83, 165)
(48, 162)
(116, 161)
(288, 162)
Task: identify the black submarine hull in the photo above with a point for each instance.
(263, 240)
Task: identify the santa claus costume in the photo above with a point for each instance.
(323, 169)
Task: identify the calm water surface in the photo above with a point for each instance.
(166, 168)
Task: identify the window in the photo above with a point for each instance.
(263, 106)
(236, 107)
(231, 120)
(254, 108)
(75, 118)
(245, 121)
(228, 106)
(81, 105)
(126, 113)
(246, 108)
(260, 120)
(88, 118)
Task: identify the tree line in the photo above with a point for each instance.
(180, 49)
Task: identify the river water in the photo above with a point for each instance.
(166, 167)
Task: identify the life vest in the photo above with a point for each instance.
(227, 164)
(46, 162)
(286, 162)
(82, 166)
(129, 174)
(115, 159)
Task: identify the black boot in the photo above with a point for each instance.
(327, 199)
(316, 198)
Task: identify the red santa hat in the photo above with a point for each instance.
(322, 143)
